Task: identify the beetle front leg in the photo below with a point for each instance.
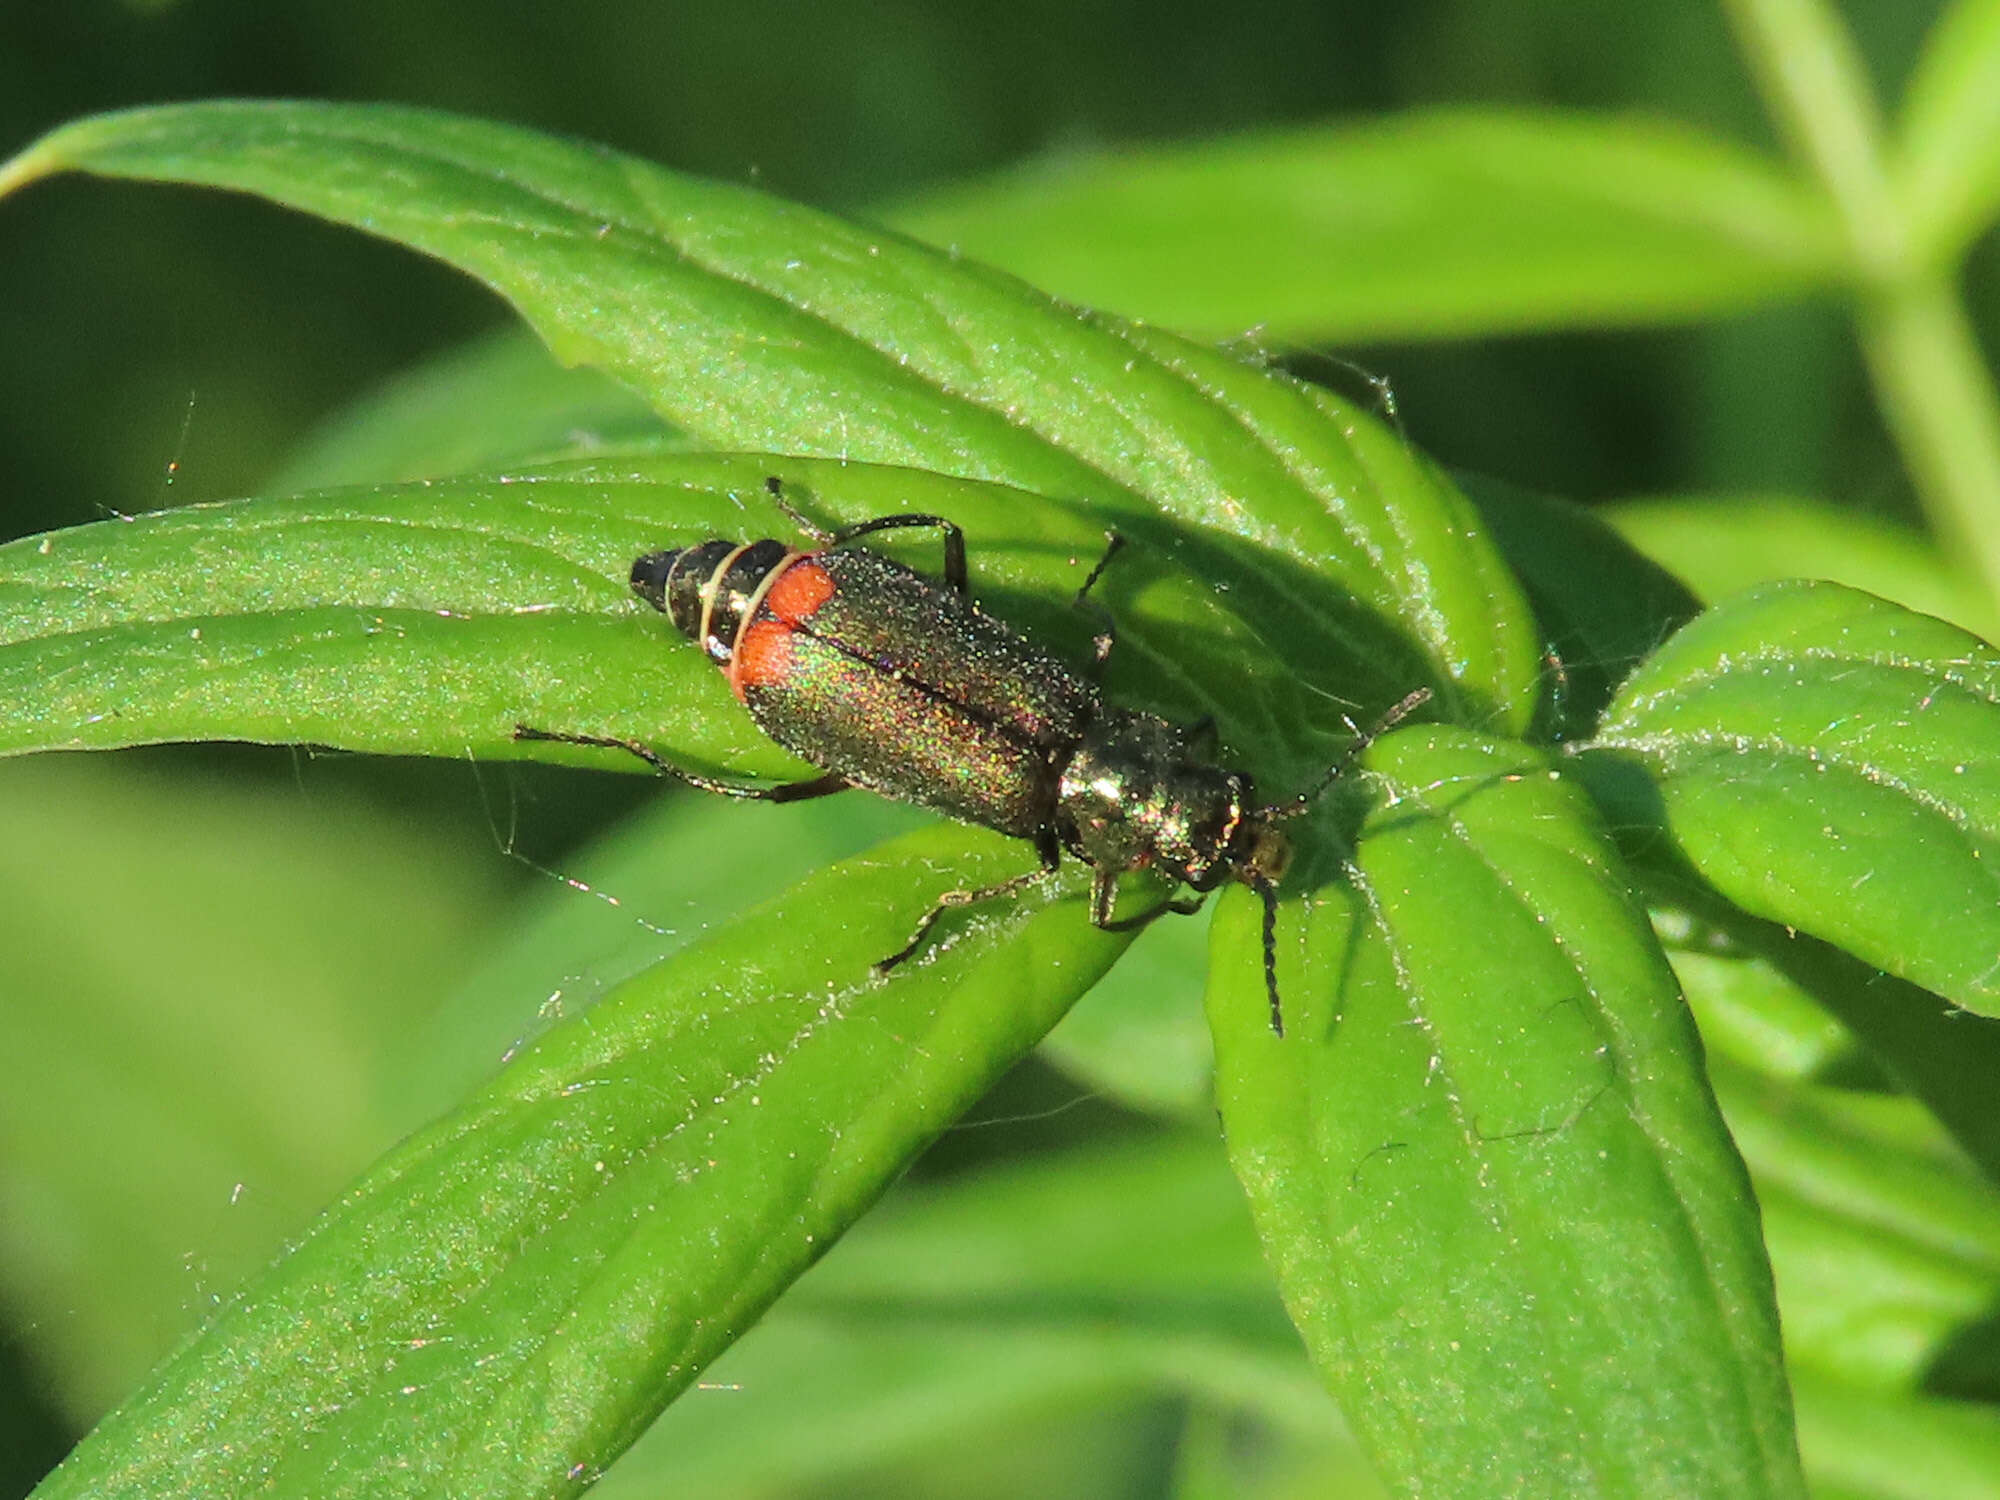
(1179, 906)
(1104, 897)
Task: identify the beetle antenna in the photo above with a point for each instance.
(1410, 704)
(1267, 892)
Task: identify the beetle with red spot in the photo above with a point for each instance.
(895, 683)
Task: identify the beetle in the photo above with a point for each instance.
(899, 683)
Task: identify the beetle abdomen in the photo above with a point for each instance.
(889, 733)
(902, 623)
(878, 673)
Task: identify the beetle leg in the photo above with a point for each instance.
(1051, 858)
(1107, 623)
(791, 791)
(1180, 906)
(955, 576)
(1268, 894)
(1104, 897)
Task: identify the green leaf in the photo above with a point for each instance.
(1723, 544)
(610, 911)
(1940, 1054)
(422, 620)
(1824, 759)
(1867, 1446)
(497, 402)
(433, 618)
(1948, 171)
(1793, 1008)
(202, 983)
(1071, 1280)
(755, 324)
(1140, 1036)
(503, 1303)
(1884, 1239)
(1750, 1011)
(1490, 1175)
(1446, 224)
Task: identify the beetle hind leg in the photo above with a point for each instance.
(952, 900)
(790, 791)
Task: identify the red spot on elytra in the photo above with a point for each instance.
(798, 591)
(763, 655)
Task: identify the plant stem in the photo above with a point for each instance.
(1933, 385)
(1937, 394)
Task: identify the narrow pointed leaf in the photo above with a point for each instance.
(1825, 759)
(1498, 1195)
(1449, 223)
(505, 1301)
(756, 324)
(432, 618)
(496, 403)
(1949, 171)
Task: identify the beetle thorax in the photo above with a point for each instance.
(1135, 794)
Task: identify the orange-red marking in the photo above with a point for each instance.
(798, 591)
(763, 655)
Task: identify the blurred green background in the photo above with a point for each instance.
(165, 347)
(149, 327)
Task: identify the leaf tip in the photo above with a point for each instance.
(40, 160)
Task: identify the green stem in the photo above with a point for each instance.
(1937, 394)
(1817, 90)
(1930, 379)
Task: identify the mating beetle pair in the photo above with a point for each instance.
(898, 683)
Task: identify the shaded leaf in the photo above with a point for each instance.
(1140, 1036)
(1794, 1008)
(1750, 1011)
(1602, 606)
(1866, 1446)
(1885, 1240)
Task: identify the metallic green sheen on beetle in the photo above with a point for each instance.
(899, 683)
